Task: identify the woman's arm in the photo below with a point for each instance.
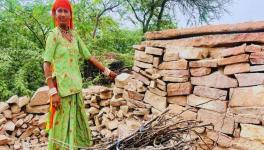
(48, 74)
(87, 55)
(102, 68)
(49, 81)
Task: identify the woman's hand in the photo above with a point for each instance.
(102, 68)
(112, 75)
(56, 101)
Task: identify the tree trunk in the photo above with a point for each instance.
(96, 26)
(159, 19)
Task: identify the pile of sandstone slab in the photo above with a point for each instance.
(22, 121)
(215, 73)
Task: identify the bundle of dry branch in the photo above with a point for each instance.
(163, 132)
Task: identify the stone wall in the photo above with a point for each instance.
(217, 71)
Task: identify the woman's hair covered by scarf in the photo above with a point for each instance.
(62, 4)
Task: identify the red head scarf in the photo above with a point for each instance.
(62, 4)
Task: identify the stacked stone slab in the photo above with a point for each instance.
(216, 72)
(23, 121)
(109, 114)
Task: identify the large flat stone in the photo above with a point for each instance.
(132, 95)
(179, 88)
(142, 56)
(233, 59)
(236, 68)
(204, 63)
(142, 64)
(207, 103)
(135, 104)
(250, 79)
(233, 51)
(216, 80)
(153, 76)
(175, 79)
(247, 118)
(222, 123)
(171, 55)
(154, 51)
(257, 61)
(246, 144)
(212, 93)
(37, 109)
(156, 101)
(257, 68)
(257, 58)
(252, 132)
(174, 65)
(175, 109)
(220, 138)
(197, 72)
(207, 29)
(179, 100)
(139, 47)
(40, 97)
(157, 91)
(189, 53)
(253, 48)
(251, 110)
(141, 78)
(175, 73)
(247, 96)
(210, 40)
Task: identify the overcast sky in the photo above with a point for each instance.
(239, 11)
(242, 11)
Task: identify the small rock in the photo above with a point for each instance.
(9, 126)
(122, 80)
(3, 106)
(4, 140)
(12, 100)
(22, 101)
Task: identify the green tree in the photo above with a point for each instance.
(23, 29)
(157, 14)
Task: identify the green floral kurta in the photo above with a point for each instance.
(65, 55)
(70, 126)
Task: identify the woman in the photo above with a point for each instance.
(68, 124)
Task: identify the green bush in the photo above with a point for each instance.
(20, 72)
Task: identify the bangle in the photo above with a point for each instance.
(106, 71)
(46, 81)
(52, 92)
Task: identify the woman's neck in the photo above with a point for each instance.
(64, 27)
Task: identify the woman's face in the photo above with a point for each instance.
(63, 16)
